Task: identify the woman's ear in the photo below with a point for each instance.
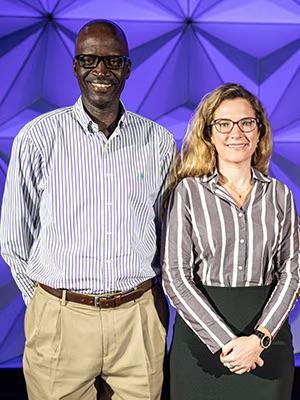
(207, 133)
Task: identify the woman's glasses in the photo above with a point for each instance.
(224, 125)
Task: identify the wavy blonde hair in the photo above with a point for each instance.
(198, 155)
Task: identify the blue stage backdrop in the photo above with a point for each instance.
(180, 50)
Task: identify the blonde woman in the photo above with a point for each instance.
(230, 257)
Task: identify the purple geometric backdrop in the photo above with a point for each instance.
(180, 50)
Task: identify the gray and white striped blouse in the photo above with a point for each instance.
(79, 210)
(207, 234)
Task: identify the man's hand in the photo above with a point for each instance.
(242, 354)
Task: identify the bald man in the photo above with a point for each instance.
(79, 229)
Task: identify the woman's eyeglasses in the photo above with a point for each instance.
(224, 125)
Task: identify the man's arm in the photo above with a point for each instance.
(20, 210)
(168, 152)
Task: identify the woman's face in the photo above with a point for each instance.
(236, 146)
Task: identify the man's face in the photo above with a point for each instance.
(100, 86)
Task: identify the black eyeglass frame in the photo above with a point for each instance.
(215, 123)
(98, 59)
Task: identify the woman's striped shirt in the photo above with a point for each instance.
(209, 237)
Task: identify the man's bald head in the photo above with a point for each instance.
(99, 26)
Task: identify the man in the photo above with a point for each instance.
(79, 229)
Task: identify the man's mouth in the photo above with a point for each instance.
(101, 86)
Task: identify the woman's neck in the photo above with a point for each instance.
(236, 174)
(237, 181)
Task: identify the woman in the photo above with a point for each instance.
(230, 264)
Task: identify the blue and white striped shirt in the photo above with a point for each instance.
(79, 210)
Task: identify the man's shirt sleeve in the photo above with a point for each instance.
(168, 151)
(20, 210)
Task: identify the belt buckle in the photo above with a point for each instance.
(107, 300)
(97, 301)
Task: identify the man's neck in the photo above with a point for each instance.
(107, 118)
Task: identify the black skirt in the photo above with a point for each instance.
(194, 373)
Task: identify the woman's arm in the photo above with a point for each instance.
(287, 269)
(178, 270)
(243, 351)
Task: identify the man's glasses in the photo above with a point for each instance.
(110, 62)
(246, 125)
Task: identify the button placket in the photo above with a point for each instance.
(241, 263)
(109, 207)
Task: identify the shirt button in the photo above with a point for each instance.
(240, 267)
(241, 214)
(242, 241)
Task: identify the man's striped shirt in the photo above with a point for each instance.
(80, 211)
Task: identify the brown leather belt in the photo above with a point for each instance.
(103, 301)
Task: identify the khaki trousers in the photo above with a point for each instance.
(68, 345)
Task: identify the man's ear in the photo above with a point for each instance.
(74, 67)
(128, 69)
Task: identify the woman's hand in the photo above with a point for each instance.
(242, 354)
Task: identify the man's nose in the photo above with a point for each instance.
(101, 69)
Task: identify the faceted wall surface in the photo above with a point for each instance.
(180, 50)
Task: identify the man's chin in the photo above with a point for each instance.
(105, 105)
(100, 102)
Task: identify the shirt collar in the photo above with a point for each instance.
(214, 177)
(89, 126)
(259, 176)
